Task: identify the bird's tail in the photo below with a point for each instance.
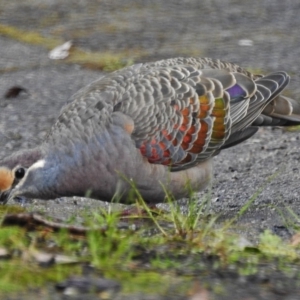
(276, 109)
(279, 110)
(285, 109)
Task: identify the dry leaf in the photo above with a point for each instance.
(61, 52)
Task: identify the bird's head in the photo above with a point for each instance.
(13, 170)
(9, 178)
(37, 182)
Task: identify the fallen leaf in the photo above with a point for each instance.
(14, 92)
(295, 240)
(61, 52)
(198, 292)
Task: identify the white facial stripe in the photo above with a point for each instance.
(37, 165)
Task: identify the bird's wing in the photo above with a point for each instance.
(179, 111)
(184, 114)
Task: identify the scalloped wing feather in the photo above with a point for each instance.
(180, 111)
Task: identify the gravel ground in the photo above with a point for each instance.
(149, 30)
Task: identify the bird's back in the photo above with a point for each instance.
(179, 112)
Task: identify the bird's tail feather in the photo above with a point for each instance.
(285, 109)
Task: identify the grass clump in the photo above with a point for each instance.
(156, 248)
(106, 61)
(18, 275)
(29, 37)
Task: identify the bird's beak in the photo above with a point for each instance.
(9, 195)
(4, 197)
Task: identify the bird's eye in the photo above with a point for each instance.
(19, 173)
